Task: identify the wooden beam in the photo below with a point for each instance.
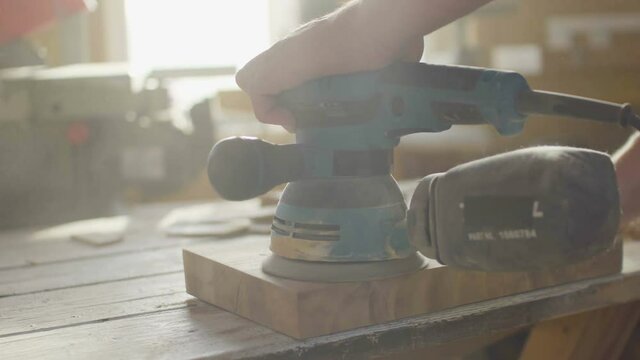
(451, 350)
(597, 334)
(632, 350)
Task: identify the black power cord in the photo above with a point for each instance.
(549, 103)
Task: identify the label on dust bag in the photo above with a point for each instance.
(489, 218)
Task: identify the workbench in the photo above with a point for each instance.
(61, 298)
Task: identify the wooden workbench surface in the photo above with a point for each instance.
(61, 298)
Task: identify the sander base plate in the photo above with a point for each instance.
(333, 272)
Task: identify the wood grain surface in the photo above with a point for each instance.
(127, 300)
(232, 279)
(73, 306)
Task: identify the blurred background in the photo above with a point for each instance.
(105, 104)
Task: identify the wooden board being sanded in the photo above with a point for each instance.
(229, 275)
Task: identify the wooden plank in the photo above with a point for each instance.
(87, 271)
(597, 334)
(182, 333)
(202, 331)
(81, 305)
(233, 280)
(28, 247)
(21, 248)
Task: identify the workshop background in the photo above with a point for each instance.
(108, 103)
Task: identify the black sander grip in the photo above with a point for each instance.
(242, 168)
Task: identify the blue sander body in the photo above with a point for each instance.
(342, 216)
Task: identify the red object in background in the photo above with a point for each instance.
(18, 17)
(78, 133)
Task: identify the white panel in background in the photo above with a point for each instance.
(526, 59)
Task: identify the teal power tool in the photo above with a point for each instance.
(342, 216)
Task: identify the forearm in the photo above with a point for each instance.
(375, 30)
(627, 161)
(401, 19)
(393, 21)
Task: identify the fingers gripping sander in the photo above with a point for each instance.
(342, 216)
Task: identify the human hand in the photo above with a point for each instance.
(364, 35)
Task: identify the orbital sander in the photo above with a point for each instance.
(342, 216)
